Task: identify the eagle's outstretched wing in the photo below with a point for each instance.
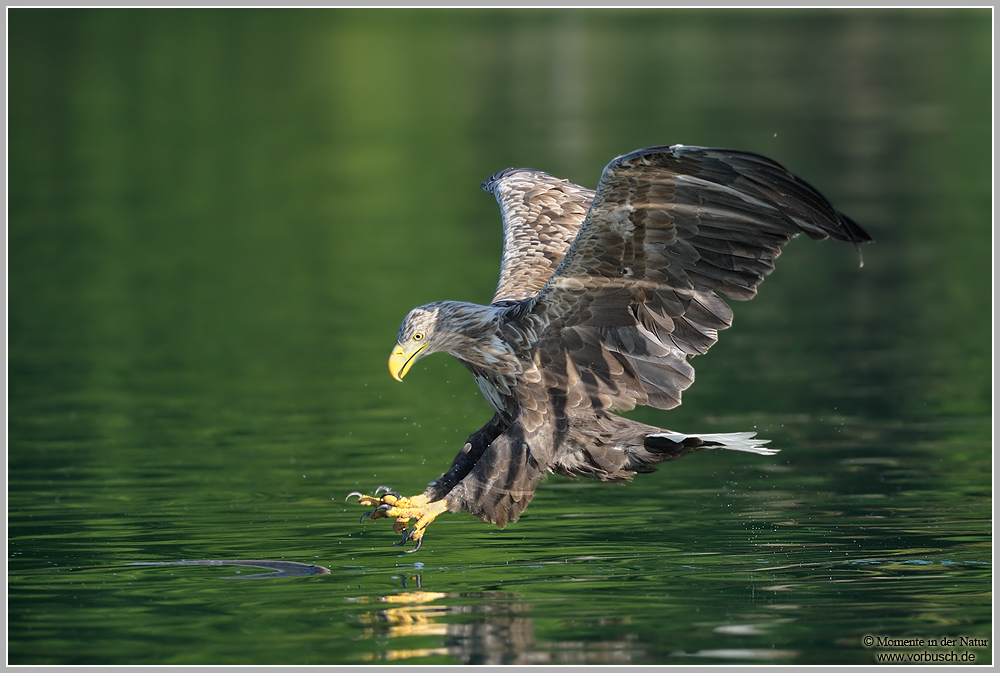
(541, 216)
(635, 294)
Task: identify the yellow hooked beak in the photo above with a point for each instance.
(403, 357)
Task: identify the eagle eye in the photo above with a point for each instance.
(418, 336)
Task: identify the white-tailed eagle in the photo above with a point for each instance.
(603, 299)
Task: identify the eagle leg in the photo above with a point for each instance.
(391, 504)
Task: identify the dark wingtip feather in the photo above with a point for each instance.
(490, 185)
(857, 234)
(836, 224)
(853, 232)
(850, 231)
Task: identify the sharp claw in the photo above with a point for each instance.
(404, 511)
(386, 489)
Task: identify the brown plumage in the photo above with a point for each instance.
(603, 299)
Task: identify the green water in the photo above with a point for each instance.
(217, 220)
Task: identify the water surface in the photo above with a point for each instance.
(217, 220)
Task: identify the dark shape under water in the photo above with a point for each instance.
(280, 568)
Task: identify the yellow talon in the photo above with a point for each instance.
(391, 504)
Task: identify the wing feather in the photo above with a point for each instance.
(636, 292)
(541, 217)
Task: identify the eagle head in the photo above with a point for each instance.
(466, 331)
(414, 341)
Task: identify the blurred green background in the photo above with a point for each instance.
(217, 219)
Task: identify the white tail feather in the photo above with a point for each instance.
(734, 441)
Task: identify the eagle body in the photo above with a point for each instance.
(604, 297)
